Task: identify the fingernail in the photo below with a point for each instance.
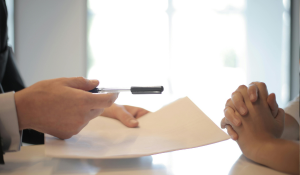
(133, 121)
(252, 97)
(243, 111)
(236, 121)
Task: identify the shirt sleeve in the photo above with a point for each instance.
(293, 109)
(9, 127)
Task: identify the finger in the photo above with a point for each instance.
(262, 90)
(81, 83)
(280, 119)
(230, 104)
(231, 117)
(253, 92)
(238, 102)
(280, 116)
(136, 111)
(243, 90)
(273, 104)
(224, 122)
(231, 132)
(127, 119)
(140, 113)
(97, 101)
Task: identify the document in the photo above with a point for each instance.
(179, 125)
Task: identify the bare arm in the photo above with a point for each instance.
(259, 133)
(280, 154)
(291, 128)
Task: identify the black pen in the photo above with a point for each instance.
(133, 90)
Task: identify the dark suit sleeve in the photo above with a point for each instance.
(10, 78)
(1, 151)
(12, 81)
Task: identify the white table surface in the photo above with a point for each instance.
(211, 159)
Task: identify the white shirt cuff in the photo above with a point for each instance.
(9, 126)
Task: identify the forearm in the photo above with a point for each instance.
(291, 128)
(281, 155)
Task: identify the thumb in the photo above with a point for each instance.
(280, 116)
(273, 104)
(127, 119)
(81, 83)
(280, 122)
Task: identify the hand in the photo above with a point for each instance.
(60, 107)
(236, 103)
(259, 125)
(125, 114)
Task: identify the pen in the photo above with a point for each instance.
(133, 90)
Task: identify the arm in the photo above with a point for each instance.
(60, 107)
(291, 128)
(280, 154)
(258, 138)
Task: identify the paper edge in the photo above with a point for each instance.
(132, 155)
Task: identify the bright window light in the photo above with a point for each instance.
(194, 48)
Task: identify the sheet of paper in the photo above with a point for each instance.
(179, 125)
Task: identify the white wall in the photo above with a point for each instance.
(50, 39)
(268, 49)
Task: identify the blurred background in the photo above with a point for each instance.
(196, 48)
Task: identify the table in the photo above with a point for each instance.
(220, 158)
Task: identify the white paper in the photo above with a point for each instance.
(179, 125)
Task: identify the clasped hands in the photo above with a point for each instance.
(252, 118)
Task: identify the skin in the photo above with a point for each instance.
(62, 107)
(125, 114)
(259, 131)
(290, 129)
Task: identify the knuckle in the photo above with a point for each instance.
(253, 83)
(234, 93)
(242, 87)
(262, 85)
(227, 112)
(228, 101)
(81, 79)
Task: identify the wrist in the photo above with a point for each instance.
(264, 150)
(21, 114)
